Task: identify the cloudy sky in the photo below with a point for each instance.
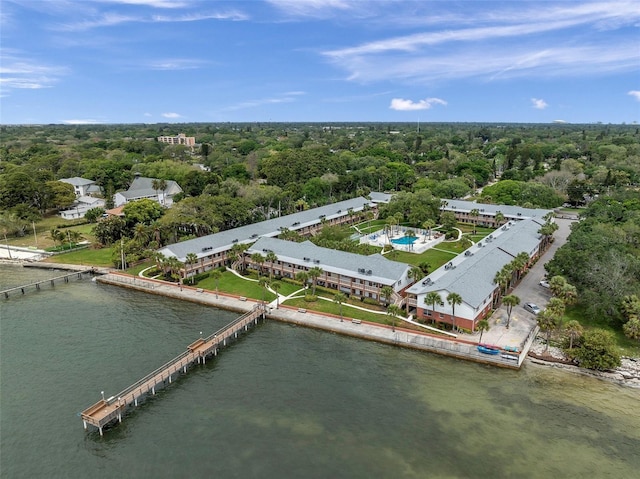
(149, 61)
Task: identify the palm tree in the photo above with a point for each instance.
(189, 260)
(453, 299)
(339, 298)
(499, 218)
(475, 213)
(386, 292)
(556, 307)
(74, 236)
(56, 235)
(216, 274)
(314, 274)
(415, 274)
(159, 185)
(271, 258)
(393, 311)
(303, 277)
(433, 298)
(520, 262)
(483, 325)
(502, 279)
(547, 322)
(574, 328)
(276, 285)
(142, 234)
(510, 301)
(258, 259)
(428, 225)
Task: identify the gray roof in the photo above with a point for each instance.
(143, 187)
(510, 212)
(374, 268)
(77, 181)
(379, 197)
(472, 273)
(207, 245)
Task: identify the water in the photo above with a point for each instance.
(283, 401)
(404, 240)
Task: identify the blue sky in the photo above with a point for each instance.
(152, 61)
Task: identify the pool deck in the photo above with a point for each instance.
(422, 243)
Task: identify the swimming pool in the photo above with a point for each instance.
(404, 240)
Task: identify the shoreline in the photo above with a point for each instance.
(628, 375)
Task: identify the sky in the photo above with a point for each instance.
(183, 61)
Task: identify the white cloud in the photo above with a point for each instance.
(538, 103)
(548, 41)
(286, 97)
(400, 104)
(171, 115)
(153, 3)
(314, 8)
(18, 72)
(176, 64)
(635, 94)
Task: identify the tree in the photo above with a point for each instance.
(547, 323)
(454, 299)
(482, 326)
(499, 218)
(159, 185)
(386, 292)
(393, 312)
(143, 211)
(433, 298)
(271, 258)
(631, 328)
(109, 230)
(597, 350)
(575, 330)
(510, 301)
(339, 298)
(190, 259)
(474, 213)
(56, 236)
(258, 259)
(303, 277)
(216, 274)
(314, 274)
(428, 225)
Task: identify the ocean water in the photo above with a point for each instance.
(282, 401)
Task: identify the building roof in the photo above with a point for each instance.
(77, 181)
(142, 187)
(509, 212)
(222, 241)
(379, 197)
(374, 268)
(471, 273)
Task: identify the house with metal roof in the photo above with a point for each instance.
(471, 275)
(82, 186)
(213, 250)
(142, 187)
(351, 273)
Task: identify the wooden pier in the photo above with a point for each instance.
(107, 410)
(36, 285)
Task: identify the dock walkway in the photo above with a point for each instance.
(107, 410)
(37, 284)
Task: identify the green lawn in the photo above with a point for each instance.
(134, 270)
(89, 257)
(434, 257)
(333, 308)
(628, 347)
(230, 283)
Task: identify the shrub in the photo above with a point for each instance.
(310, 298)
(597, 350)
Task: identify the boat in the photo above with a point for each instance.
(488, 350)
(510, 357)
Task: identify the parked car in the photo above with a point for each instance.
(532, 308)
(544, 283)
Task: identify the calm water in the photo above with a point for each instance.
(283, 401)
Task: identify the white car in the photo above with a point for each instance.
(532, 308)
(545, 284)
